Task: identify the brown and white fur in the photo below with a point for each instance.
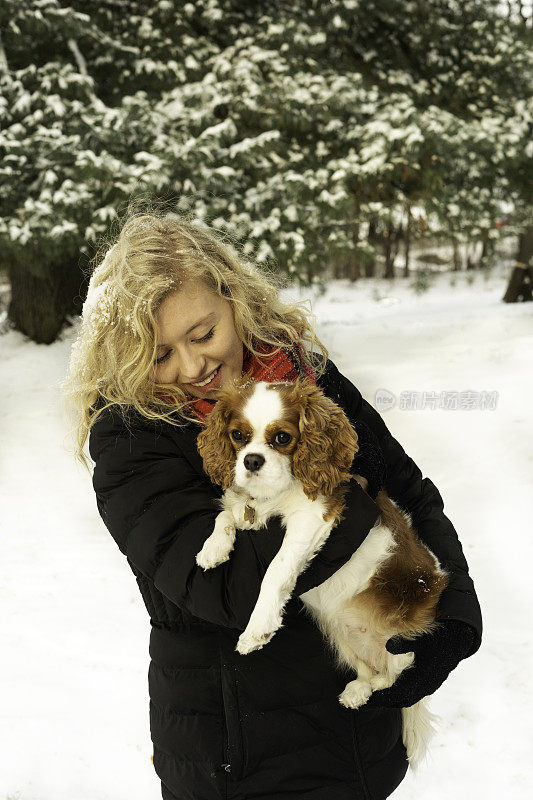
(286, 449)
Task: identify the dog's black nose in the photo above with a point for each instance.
(253, 461)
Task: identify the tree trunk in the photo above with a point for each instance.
(354, 271)
(39, 305)
(520, 283)
(354, 266)
(485, 251)
(456, 256)
(338, 270)
(396, 241)
(471, 256)
(407, 243)
(370, 262)
(389, 256)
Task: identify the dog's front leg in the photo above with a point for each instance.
(218, 546)
(305, 535)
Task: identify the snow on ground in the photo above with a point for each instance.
(73, 676)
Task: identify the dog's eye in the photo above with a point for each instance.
(282, 438)
(237, 436)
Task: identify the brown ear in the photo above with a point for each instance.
(215, 447)
(327, 445)
(213, 442)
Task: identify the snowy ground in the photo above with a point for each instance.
(73, 684)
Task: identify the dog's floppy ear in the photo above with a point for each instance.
(327, 444)
(213, 442)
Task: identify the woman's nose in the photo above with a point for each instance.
(191, 366)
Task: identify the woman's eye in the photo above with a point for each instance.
(236, 436)
(163, 358)
(207, 336)
(282, 438)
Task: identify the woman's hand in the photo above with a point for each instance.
(436, 655)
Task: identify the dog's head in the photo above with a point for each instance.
(261, 436)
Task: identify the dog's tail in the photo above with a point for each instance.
(418, 729)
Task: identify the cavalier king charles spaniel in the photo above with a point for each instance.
(286, 449)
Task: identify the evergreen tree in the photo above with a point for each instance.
(63, 168)
(313, 134)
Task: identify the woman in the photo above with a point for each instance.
(172, 314)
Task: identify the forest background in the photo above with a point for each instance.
(345, 139)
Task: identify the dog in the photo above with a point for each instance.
(286, 449)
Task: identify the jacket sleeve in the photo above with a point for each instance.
(421, 498)
(160, 511)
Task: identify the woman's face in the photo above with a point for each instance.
(196, 335)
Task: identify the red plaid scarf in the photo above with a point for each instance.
(286, 365)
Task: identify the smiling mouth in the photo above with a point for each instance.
(209, 378)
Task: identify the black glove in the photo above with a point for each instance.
(436, 655)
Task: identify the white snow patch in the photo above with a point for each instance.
(74, 631)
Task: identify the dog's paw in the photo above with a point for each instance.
(355, 694)
(249, 641)
(215, 551)
(258, 632)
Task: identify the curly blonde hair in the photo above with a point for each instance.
(112, 359)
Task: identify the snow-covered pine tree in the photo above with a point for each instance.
(518, 166)
(312, 134)
(312, 131)
(468, 74)
(68, 160)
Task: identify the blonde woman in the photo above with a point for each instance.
(172, 314)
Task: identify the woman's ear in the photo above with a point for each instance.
(327, 444)
(215, 447)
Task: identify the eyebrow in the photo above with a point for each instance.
(196, 325)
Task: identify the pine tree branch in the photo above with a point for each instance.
(3, 58)
(80, 61)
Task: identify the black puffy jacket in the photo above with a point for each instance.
(266, 725)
